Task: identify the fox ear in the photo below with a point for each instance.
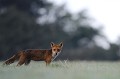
(61, 44)
(51, 44)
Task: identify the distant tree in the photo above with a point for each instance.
(113, 52)
(28, 6)
(35, 23)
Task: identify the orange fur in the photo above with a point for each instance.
(25, 56)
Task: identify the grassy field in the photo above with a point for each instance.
(62, 70)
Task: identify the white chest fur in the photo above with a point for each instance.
(54, 56)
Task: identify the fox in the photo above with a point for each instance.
(25, 56)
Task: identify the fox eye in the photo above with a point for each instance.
(58, 49)
(54, 49)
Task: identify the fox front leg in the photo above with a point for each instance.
(48, 61)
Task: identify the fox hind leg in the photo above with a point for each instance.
(27, 62)
(22, 60)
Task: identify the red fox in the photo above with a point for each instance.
(25, 56)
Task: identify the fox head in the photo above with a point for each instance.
(56, 49)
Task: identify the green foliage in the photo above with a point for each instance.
(28, 6)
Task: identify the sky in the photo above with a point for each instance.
(105, 12)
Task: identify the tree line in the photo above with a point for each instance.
(33, 24)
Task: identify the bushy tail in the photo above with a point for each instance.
(11, 59)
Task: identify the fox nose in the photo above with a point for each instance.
(56, 53)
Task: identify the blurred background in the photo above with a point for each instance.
(89, 29)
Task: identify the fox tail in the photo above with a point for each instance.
(11, 59)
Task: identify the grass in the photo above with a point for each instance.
(62, 70)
